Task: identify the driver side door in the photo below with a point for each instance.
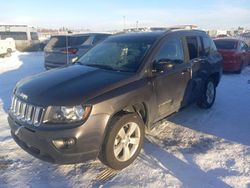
(170, 83)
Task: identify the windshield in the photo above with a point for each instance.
(117, 55)
(226, 44)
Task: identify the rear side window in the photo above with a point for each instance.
(192, 47)
(243, 46)
(226, 44)
(34, 35)
(206, 45)
(209, 46)
(14, 35)
(171, 50)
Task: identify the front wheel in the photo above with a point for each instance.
(123, 141)
(208, 96)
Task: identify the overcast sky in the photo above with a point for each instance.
(109, 15)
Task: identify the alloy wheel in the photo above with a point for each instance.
(127, 141)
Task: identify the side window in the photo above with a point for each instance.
(246, 46)
(243, 46)
(14, 35)
(192, 47)
(209, 46)
(34, 35)
(200, 48)
(240, 46)
(213, 48)
(172, 51)
(206, 45)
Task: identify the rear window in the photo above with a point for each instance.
(14, 35)
(99, 38)
(226, 44)
(34, 35)
(77, 40)
(63, 41)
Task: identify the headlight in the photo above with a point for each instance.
(66, 114)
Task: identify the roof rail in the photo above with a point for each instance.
(187, 26)
(170, 28)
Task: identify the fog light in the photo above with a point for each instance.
(65, 143)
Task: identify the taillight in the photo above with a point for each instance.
(70, 50)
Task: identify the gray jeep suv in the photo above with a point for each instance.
(101, 105)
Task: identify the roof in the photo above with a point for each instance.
(228, 39)
(147, 36)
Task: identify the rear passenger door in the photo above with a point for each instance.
(170, 85)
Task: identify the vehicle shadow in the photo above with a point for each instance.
(189, 173)
(9, 78)
(218, 121)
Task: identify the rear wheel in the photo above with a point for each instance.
(123, 141)
(208, 96)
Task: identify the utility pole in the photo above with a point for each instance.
(124, 23)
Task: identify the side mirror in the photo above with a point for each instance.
(163, 65)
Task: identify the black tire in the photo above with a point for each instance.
(8, 54)
(107, 153)
(240, 70)
(206, 102)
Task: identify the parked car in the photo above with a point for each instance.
(25, 37)
(235, 52)
(222, 36)
(101, 105)
(7, 46)
(63, 49)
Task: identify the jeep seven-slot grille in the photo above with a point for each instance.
(25, 112)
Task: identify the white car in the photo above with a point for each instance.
(7, 46)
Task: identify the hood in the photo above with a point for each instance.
(69, 86)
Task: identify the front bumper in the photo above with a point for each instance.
(39, 143)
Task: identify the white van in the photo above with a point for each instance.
(26, 37)
(7, 46)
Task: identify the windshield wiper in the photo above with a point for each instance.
(101, 66)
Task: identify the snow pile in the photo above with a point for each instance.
(193, 148)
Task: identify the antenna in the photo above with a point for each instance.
(67, 49)
(124, 23)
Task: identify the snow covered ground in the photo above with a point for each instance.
(194, 148)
